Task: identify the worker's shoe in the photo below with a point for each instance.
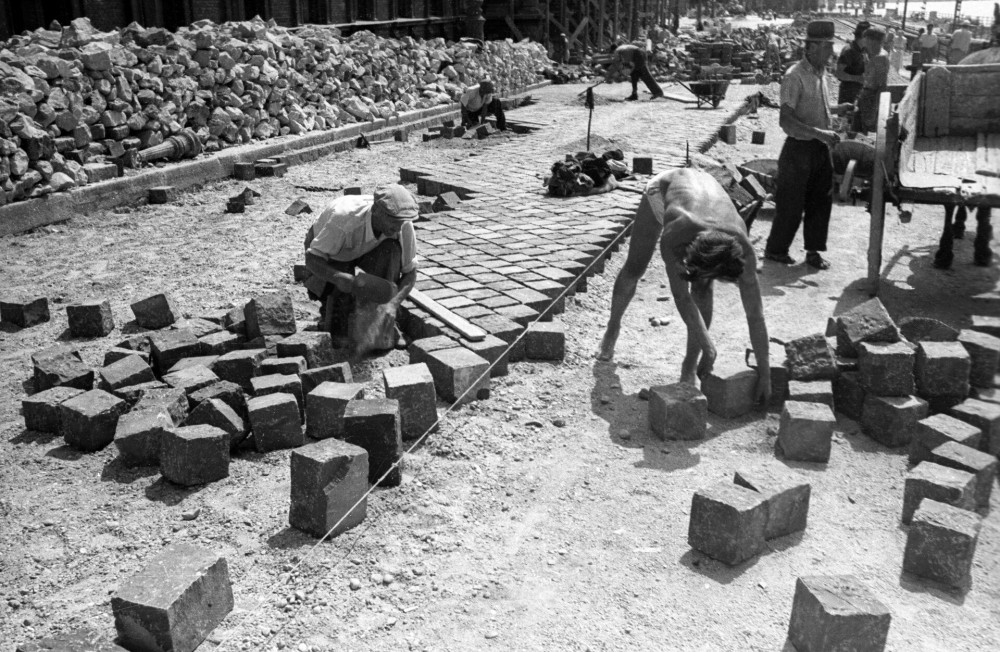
(632, 98)
(656, 96)
(814, 260)
(784, 259)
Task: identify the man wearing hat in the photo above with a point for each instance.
(634, 58)
(961, 40)
(851, 65)
(804, 193)
(478, 102)
(371, 232)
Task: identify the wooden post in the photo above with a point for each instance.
(632, 11)
(614, 21)
(585, 15)
(600, 27)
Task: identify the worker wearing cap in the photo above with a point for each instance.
(373, 233)
(961, 40)
(804, 191)
(634, 59)
(478, 102)
(851, 65)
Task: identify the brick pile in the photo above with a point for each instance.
(77, 105)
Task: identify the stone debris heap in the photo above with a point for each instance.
(78, 105)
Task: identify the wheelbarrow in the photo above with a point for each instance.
(710, 91)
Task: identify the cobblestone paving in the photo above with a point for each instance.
(510, 252)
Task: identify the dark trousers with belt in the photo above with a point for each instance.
(471, 119)
(385, 261)
(804, 196)
(641, 71)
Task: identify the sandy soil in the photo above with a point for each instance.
(547, 517)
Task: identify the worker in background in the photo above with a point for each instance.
(702, 239)
(928, 43)
(876, 81)
(851, 65)
(371, 232)
(478, 102)
(633, 59)
(805, 170)
(961, 40)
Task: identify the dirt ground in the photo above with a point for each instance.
(546, 517)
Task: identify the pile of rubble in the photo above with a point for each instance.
(77, 104)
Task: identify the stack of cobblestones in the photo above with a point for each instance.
(74, 103)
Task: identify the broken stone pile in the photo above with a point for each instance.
(77, 104)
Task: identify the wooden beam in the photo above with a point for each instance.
(513, 28)
(579, 28)
(467, 329)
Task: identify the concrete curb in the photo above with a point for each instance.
(23, 216)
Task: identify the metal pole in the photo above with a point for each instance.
(903, 28)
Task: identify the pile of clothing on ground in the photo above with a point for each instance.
(585, 173)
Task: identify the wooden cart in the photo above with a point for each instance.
(939, 145)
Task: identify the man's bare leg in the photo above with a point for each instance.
(702, 294)
(645, 235)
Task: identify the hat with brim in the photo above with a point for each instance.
(819, 31)
(397, 202)
(861, 27)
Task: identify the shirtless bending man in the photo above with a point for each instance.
(702, 238)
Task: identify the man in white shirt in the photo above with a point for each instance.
(478, 102)
(961, 40)
(373, 233)
(928, 43)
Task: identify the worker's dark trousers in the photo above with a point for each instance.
(805, 185)
(470, 119)
(641, 71)
(385, 261)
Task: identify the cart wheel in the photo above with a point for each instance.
(877, 205)
(845, 182)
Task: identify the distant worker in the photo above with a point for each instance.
(478, 102)
(961, 40)
(851, 65)
(876, 81)
(928, 43)
(634, 59)
(702, 239)
(804, 193)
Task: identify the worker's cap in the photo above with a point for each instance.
(486, 86)
(397, 201)
(860, 28)
(819, 31)
(966, 23)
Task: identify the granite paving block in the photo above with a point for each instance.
(280, 383)
(984, 355)
(810, 358)
(60, 366)
(87, 421)
(207, 361)
(786, 493)
(325, 407)
(494, 350)
(985, 416)
(867, 322)
(460, 376)
(138, 435)
(221, 343)
(942, 369)
(811, 391)
(25, 313)
(41, 411)
(329, 482)
(240, 367)
(156, 311)
(941, 483)
(170, 400)
(805, 432)
(276, 422)
(677, 411)
(886, 369)
(545, 341)
(891, 420)
(314, 346)
(849, 394)
(90, 318)
(412, 386)
(941, 543)
(116, 353)
(130, 370)
(982, 466)
(837, 613)
(270, 314)
(193, 455)
(420, 349)
(374, 425)
(507, 330)
(337, 373)
(284, 366)
(730, 390)
(228, 392)
(175, 601)
(938, 429)
(925, 329)
(170, 346)
(217, 413)
(728, 522)
(191, 379)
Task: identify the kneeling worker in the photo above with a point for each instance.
(373, 233)
(478, 102)
(702, 239)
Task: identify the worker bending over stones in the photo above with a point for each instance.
(374, 234)
(478, 102)
(635, 60)
(702, 239)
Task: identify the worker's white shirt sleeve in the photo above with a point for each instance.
(472, 101)
(408, 243)
(338, 233)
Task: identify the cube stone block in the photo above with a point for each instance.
(88, 420)
(240, 367)
(221, 343)
(421, 349)
(25, 314)
(941, 483)
(191, 379)
(90, 318)
(459, 375)
(170, 346)
(787, 496)
(336, 373)
(130, 370)
(206, 361)
(938, 429)
(730, 391)
(811, 391)
(837, 612)
(284, 366)
(228, 392)
(314, 346)
(986, 324)
(507, 330)
(325, 406)
(41, 411)
(867, 322)
(545, 341)
(891, 420)
(374, 425)
(60, 367)
(156, 311)
(678, 411)
(810, 358)
(984, 355)
(494, 350)
(280, 383)
(925, 329)
(270, 314)
(116, 353)
(886, 369)
(728, 522)
(215, 412)
(175, 601)
(192, 455)
(941, 543)
(942, 369)
(982, 466)
(138, 436)
(275, 422)
(849, 395)
(805, 432)
(329, 478)
(412, 386)
(985, 416)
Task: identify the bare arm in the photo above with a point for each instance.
(406, 284)
(754, 308)
(795, 128)
(696, 328)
